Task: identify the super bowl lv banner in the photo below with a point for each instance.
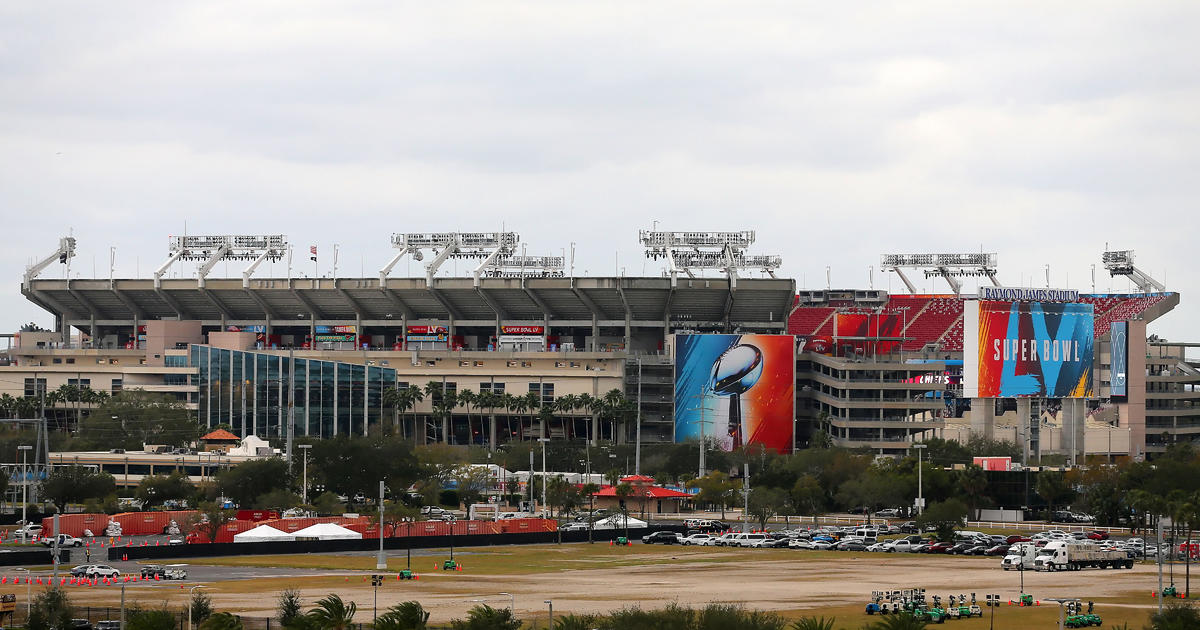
(1027, 349)
(737, 389)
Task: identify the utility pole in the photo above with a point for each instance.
(381, 559)
(745, 497)
(637, 448)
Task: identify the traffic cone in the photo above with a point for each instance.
(416, 577)
(1153, 594)
(125, 557)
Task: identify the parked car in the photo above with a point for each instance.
(108, 624)
(977, 550)
(850, 545)
(151, 571)
(80, 624)
(800, 543)
(907, 527)
(942, 547)
(888, 513)
(1016, 538)
(960, 548)
(696, 539)
(80, 570)
(1098, 535)
(101, 571)
(998, 550)
(29, 531)
(574, 527)
(822, 545)
(666, 538)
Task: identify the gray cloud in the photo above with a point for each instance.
(1039, 130)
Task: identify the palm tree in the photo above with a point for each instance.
(332, 613)
(403, 616)
(974, 484)
(614, 404)
(468, 398)
(566, 405)
(7, 405)
(222, 621)
(533, 401)
(519, 405)
(484, 616)
(814, 623)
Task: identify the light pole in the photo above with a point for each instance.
(381, 559)
(543, 440)
(512, 601)
(550, 603)
(24, 448)
(920, 480)
(191, 593)
(304, 478)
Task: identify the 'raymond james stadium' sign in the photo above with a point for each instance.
(1007, 294)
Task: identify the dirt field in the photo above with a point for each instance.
(600, 578)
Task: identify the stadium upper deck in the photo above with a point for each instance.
(936, 321)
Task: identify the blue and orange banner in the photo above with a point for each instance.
(739, 390)
(1028, 349)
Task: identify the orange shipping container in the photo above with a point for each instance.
(74, 524)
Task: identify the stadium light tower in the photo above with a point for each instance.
(949, 267)
(488, 246)
(1120, 263)
(64, 253)
(688, 252)
(525, 267)
(213, 249)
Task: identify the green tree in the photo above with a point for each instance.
(897, 622)
(154, 490)
(484, 617)
(813, 623)
(201, 606)
(289, 607)
(807, 496)
(332, 613)
(135, 417)
(947, 516)
(277, 500)
(1176, 615)
(348, 465)
(561, 493)
(154, 619)
(222, 621)
(408, 615)
(50, 610)
(715, 488)
(75, 484)
(212, 517)
(765, 503)
(1053, 487)
(328, 504)
(251, 479)
(973, 483)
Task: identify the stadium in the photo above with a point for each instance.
(315, 355)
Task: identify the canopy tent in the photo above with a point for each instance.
(327, 531)
(262, 533)
(617, 521)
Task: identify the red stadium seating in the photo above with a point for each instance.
(939, 318)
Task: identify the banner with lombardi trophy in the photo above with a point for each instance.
(738, 390)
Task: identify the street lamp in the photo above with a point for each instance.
(543, 441)
(550, 603)
(920, 486)
(512, 601)
(304, 478)
(24, 448)
(191, 594)
(381, 559)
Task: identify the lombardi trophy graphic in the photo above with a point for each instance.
(733, 373)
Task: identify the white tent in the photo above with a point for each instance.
(617, 521)
(262, 533)
(327, 531)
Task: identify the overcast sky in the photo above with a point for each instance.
(838, 131)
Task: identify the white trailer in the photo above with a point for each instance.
(1069, 556)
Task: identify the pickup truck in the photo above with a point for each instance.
(1061, 555)
(64, 540)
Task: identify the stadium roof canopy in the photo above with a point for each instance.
(759, 303)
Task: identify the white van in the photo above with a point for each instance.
(750, 540)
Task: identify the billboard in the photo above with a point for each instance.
(736, 389)
(1027, 349)
(1119, 360)
(335, 333)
